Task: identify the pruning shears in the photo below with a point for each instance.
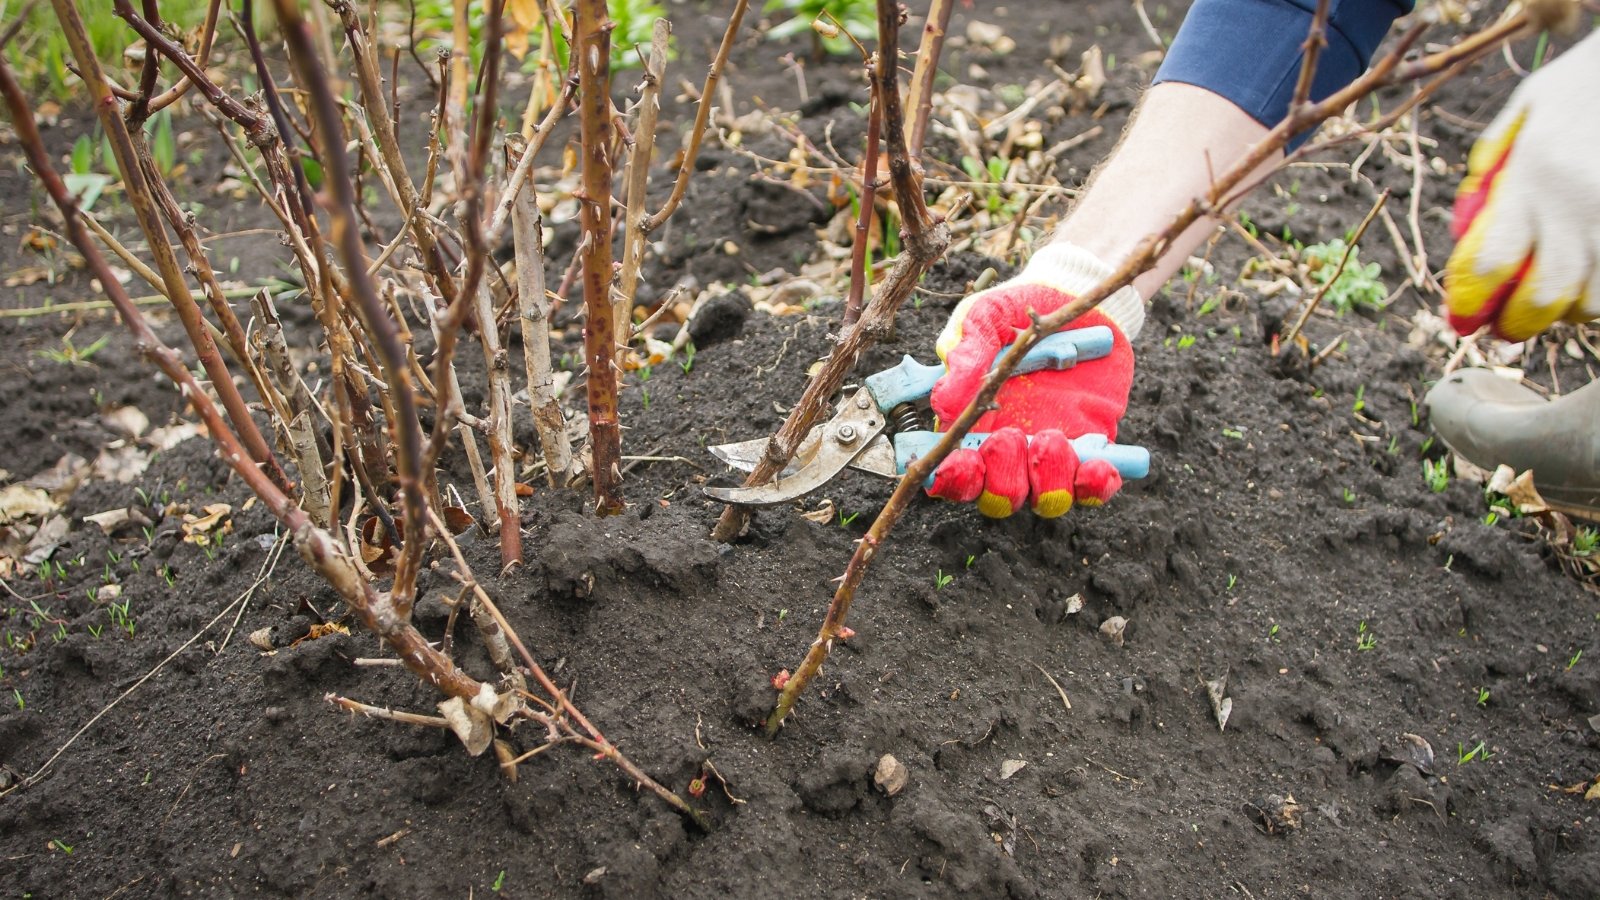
(879, 429)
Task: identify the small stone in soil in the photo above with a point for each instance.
(1011, 767)
(891, 776)
(1112, 629)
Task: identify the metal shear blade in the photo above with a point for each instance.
(832, 446)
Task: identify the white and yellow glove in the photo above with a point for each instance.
(1527, 216)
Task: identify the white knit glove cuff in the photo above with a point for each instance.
(1073, 270)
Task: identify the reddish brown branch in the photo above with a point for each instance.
(921, 98)
(868, 197)
(176, 287)
(592, 43)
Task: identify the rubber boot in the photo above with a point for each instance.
(1492, 421)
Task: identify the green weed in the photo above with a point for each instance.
(1358, 286)
(1436, 473)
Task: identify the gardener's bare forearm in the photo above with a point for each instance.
(1180, 137)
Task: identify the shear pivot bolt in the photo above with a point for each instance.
(847, 434)
(862, 402)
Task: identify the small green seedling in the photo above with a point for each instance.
(1574, 660)
(1464, 756)
(687, 363)
(844, 520)
(782, 614)
(1365, 639)
(1436, 473)
(1233, 580)
(1491, 518)
(1361, 400)
(72, 355)
(1349, 497)
(21, 704)
(1186, 342)
(60, 845)
(1586, 542)
(1235, 433)
(1483, 696)
(499, 882)
(940, 579)
(1272, 633)
(971, 558)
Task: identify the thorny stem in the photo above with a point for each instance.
(172, 277)
(592, 43)
(1143, 257)
(208, 36)
(507, 506)
(375, 317)
(924, 241)
(701, 117)
(920, 102)
(869, 200)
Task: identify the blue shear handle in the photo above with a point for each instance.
(1130, 460)
(912, 380)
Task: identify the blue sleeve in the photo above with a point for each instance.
(1249, 51)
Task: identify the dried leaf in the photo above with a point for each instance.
(127, 421)
(1518, 489)
(61, 479)
(199, 528)
(45, 539)
(121, 464)
(169, 436)
(458, 519)
(21, 501)
(1011, 767)
(1221, 705)
(822, 515)
(1113, 628)
(469, 723)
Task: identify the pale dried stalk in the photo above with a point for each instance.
(497, 370)
(533, 312)
(638, 178)
(299, 415)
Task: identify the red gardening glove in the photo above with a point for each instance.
(1007, 470)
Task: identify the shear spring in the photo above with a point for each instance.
(905, 418)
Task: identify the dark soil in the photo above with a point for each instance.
(1278, 530)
